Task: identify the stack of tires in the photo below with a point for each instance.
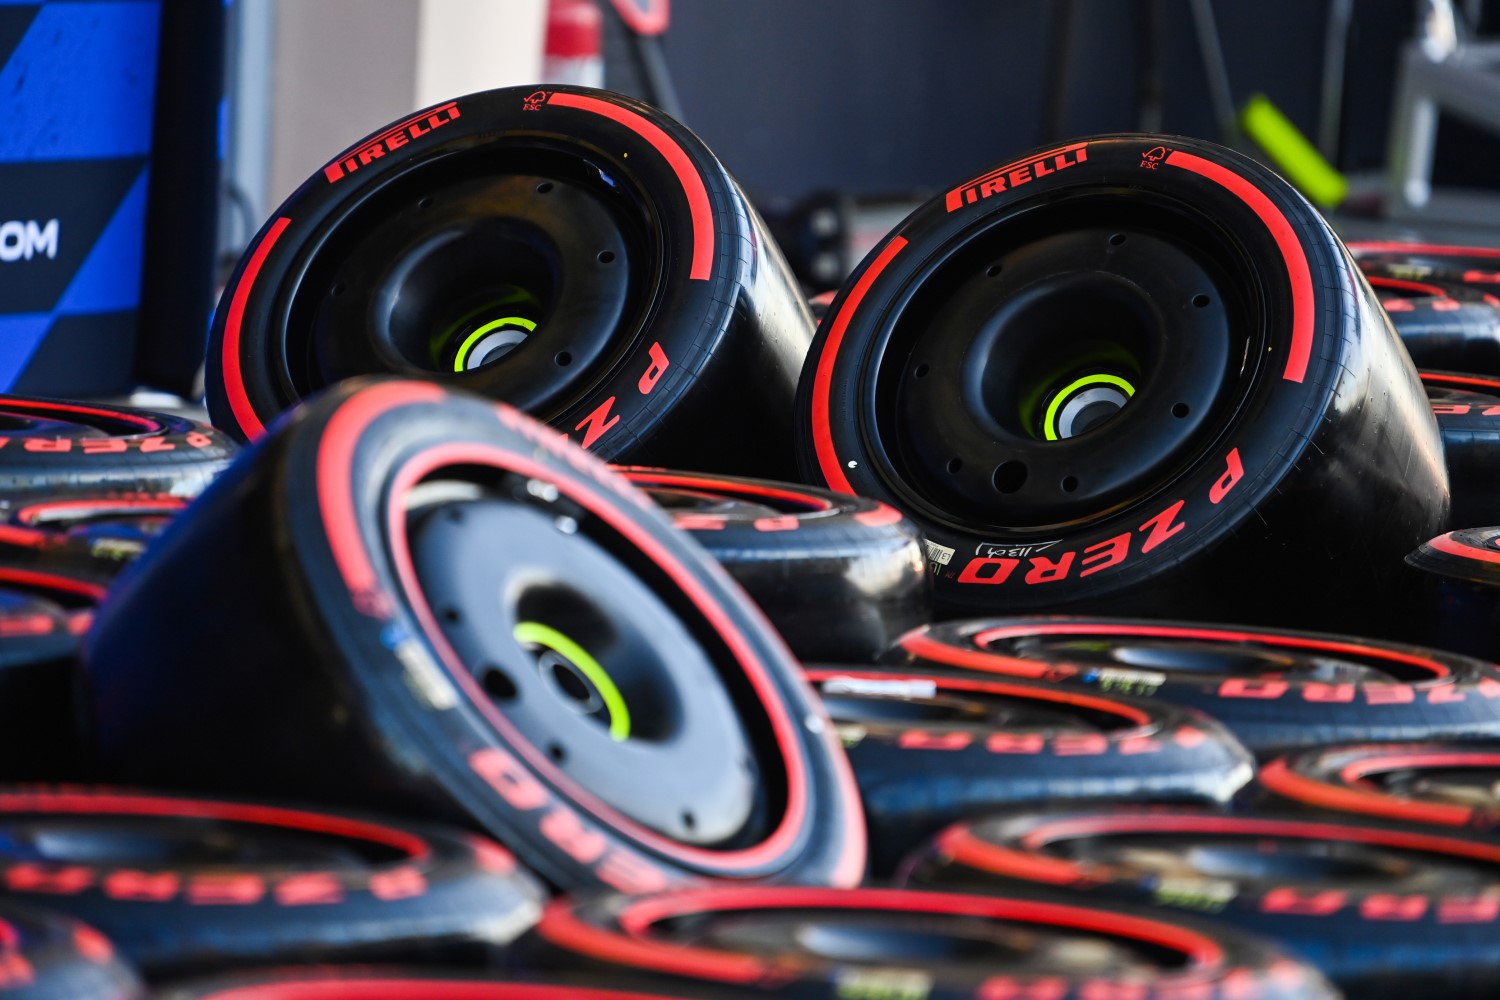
(578, 619)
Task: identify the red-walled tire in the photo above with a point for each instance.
(686, 746)
(1274, 689)
(1478, 267)
(70, 548)
(39, 733)
(808, 943)
(932, 747)
(1459, 607)
(664, 320)
(46, 956)
(840, 577)
(1214, 331)
(1441, 784)
(1467, 408)
(390, 983)
(1443, 324)
(182, 885)
(53, 446)
(1386, 911)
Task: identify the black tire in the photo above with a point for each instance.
(1442, 324)
(1439, 784)
(1460, 602)
(183, 886)
(1395, 282)
(52, 446)
(724, 767)
(388, 983)
(39, 734)
(932, 747)
(46, 956)
(1386, 911)
(1468, 416)
(840, 577)
(77, 545)
(808, 943)
(1477, 267)
(939, 373)
(691, 335)
(1275, 690)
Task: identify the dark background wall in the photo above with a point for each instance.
(882, 96)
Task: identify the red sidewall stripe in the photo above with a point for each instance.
(1277, 777)
(677, 159)
(234, 379)
(145, 423)
(638, 918)
(1048, 833)
(374, 988)
(1453, 547)
(51, 581)
(982, 639)
(1421, 249)
(923, 646)
(1445, 378)
(822, 427)
(335, 474)
(1060, 695)
(1286, 241)
(1401, 284)
(114, 804)
(959, 844)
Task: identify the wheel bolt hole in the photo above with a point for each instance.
(1180, 410)
(544, 187)
(455, 514)
(336, 290)
(993, 270)
(921, 371)
(497, 683)
(1069, 484)
(954, 464)
(425, 203)
(1117, 239)
(689, 820)
(557, 753)
(606, 256)
(452, 616)
(563, 359)
(1010, 476)
(1201, 301)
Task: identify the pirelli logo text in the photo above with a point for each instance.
(391, 140)
(1013, 175)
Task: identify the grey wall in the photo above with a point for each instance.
(882, 95)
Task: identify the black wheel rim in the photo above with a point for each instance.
(605, 678)
(1064, 362)
(512, 268)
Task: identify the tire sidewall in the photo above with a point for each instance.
(686, 317)
(403, 667)
(1268, 434)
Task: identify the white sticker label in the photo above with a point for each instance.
(424, 677)
(938, 555)
(895, 688)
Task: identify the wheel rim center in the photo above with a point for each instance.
(1085, 403)
(492, 341)
(584, 684)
